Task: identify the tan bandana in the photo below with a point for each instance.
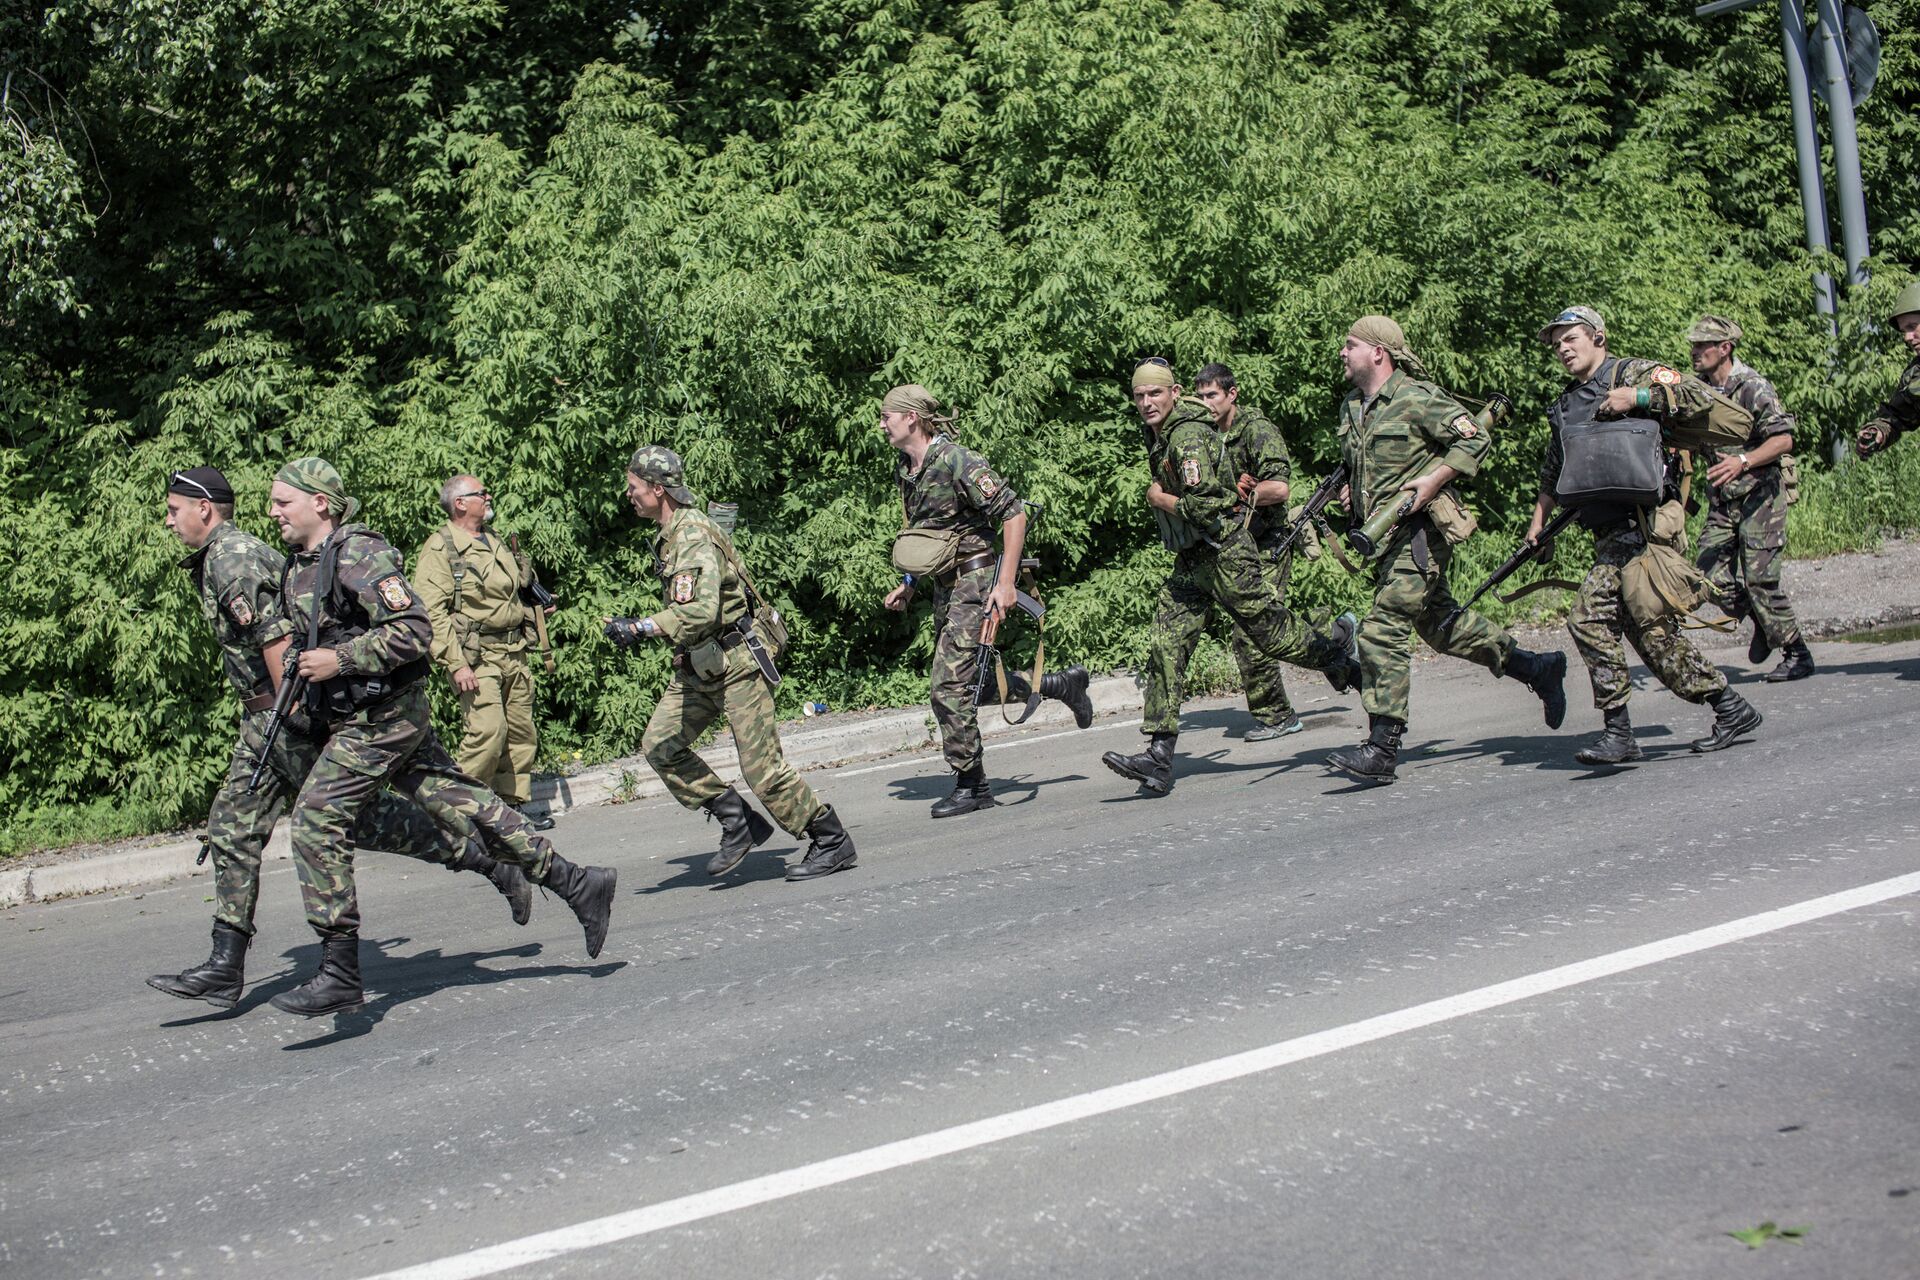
(1385, 332)
(1151, 373)
(915, 399)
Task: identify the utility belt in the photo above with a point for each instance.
(707, 660)
(342, 696)
(262, 701)
(985, 560)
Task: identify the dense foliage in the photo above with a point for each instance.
(520, 239)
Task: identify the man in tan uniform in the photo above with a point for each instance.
(473, 581)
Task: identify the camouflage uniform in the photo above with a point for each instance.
(714, 674)
(471, 586)
(1256, 448)
(375, 716)
(1220, 567)
(1746, 532)
(1407, 428)
(1600, 618)
(1900, 412)
(237, 578)
(956, 488)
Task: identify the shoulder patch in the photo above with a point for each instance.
(683, 587)
(240, 610)
(1465, 427)
(393, 589)
(1665, 376)
(1190, 470)
(989, 484)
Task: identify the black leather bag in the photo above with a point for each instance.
(1616, 461)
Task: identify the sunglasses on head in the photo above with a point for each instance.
(181, 477)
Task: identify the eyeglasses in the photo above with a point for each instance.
(477, 493)
(181, 477)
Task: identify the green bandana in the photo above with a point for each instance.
(316, 475)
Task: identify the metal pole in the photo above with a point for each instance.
(1806, 144)
(1846, 145)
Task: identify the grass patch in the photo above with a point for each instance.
(59, 826)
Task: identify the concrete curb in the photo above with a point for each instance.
(884, 733)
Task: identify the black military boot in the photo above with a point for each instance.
(1070, 687)
(742, 830)
(970, 791)
(1796, 662)
(831, 850)
(1344, 672)
(1733, 717)
(1373, 760)
(1616, 743)
(1546, 675)
(506, 877)
(589, 891)
(218, 978)
(1152, 768)
(336, 987)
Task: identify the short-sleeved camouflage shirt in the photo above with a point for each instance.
(956, 488)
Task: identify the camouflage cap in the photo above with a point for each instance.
(1907, 302)
(317, 475)
(657, 464)
(1712, 328)
(1575, 315)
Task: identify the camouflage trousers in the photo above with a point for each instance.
(499, 741)
(394, 744)
(1406, 602)
(1741, 548)
(1600, 620)
(958, 611)
(689, 704)
(1260, 675)
(1233, 580)
(239, 824)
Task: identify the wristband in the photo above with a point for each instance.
(1642, 397)
(906, 580)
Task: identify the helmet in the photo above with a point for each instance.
(1907, 300)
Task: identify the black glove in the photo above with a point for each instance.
(626, 632)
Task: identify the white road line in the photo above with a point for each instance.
(1013, 1124)
(900, 761)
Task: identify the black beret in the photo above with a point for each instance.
(201, 482)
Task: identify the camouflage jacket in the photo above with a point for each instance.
(238, 580)
(1675, 398)
(1900, 413)
(471, 591)
(1410, 426)
(956, 488)
(1188, 456)
(702, 593)
(1756, 395)
(386, 626)
(1256, 448)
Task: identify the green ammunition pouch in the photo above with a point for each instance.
(1451, 518)
(926, 553)
(1662, 582)
(708, 660)
(1176, 533)
(1790, 477)
(1726, 426)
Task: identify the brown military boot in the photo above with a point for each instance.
(218, 978)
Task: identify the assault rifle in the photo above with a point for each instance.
(990, 630)
(293, 687)
(1311, 512)
(1539, 549)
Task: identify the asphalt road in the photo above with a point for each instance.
(1271, 1024)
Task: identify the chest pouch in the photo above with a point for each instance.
(926, 552)
(1616, 461)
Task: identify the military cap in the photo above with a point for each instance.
(201, 482)
(1575, 315)
(1712, 328)
(1907, 302)
(657, 464)
(317, 475)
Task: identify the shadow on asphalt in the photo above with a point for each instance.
(393, 981)
(765, 863)
(1007, 792)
